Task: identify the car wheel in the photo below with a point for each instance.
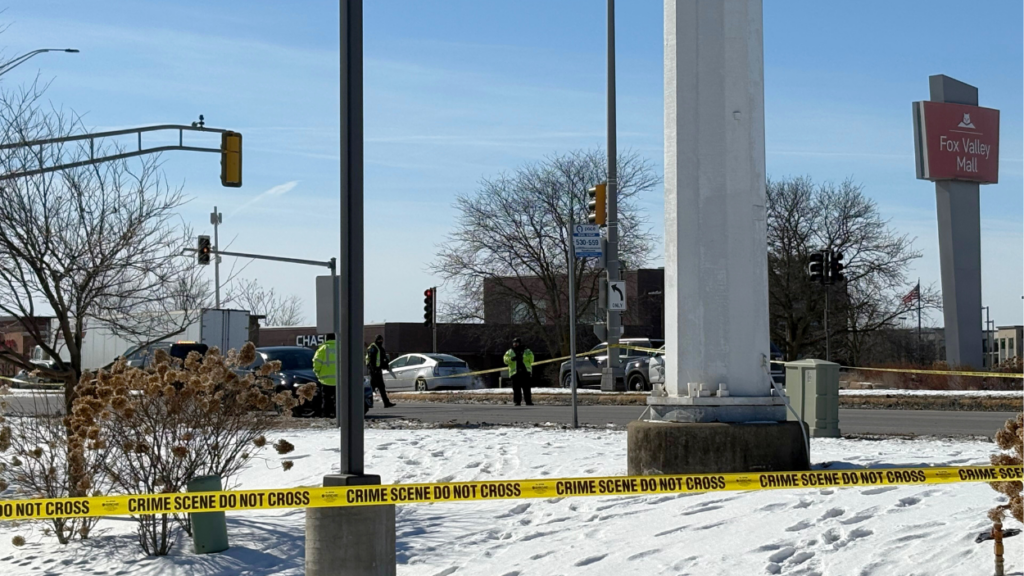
(421, 386)
(637, 383)
(567, 380)
(365, 409)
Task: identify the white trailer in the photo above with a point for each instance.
(225, 329)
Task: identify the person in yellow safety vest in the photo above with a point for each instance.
(325, 366)
(520, 369)
(377, 362)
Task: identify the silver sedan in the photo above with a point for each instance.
(427, 372)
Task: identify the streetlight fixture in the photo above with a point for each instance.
(5, 68)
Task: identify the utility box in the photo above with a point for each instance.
(813, 390)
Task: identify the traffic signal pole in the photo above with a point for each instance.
(216, 218)
(609, 376)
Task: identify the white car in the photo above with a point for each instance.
(656, 370)
(424, 371)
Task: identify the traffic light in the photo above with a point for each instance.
(203, 250)
(231, 159)
(835, 268)
(816, 268)
(428, 307)
(598, 204)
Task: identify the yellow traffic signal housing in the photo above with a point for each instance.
(598, 204)
(231, 159)
(203, 250)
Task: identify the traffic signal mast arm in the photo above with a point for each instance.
(231, 150)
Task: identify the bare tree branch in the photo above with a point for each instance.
(804, 217)
(97, 245)
(510, 239)
(279, 310)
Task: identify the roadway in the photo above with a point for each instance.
(920, 422)
(851, 421)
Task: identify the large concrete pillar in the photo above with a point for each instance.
(959, 218)
(717, 412)
(716, 267)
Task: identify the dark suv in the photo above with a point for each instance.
(588, 368)
(638, 377)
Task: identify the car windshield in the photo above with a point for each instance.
(291, 359)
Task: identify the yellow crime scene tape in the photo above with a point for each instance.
(657, 350)
(317, 497)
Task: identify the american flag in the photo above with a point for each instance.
(914, 294)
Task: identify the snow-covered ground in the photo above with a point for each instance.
(877, 531)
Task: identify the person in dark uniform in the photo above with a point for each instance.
(519, 360)
(377, 362)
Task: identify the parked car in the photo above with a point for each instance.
(637, 372)
(143, 357)
(656, 368)
(419, 372)
(297, 370)
(588, 368)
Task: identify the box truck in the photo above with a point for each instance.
(225, 329)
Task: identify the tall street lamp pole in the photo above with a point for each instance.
(7, 67)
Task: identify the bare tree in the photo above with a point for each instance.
(96, 245)
(510, 240)
(804, 217)
(279, 310)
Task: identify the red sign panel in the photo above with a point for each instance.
(956, 142)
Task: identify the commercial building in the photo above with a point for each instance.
(1002, 344)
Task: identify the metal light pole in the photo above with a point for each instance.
(350, 267)
(614, 319)
(216, 218)
(7, 67)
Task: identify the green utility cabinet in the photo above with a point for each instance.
(813, 390)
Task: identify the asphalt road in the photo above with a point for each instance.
(921, 422)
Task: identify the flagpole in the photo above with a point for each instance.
(919, 320)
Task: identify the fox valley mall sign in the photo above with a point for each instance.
(956, 142)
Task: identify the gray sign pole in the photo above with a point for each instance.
(959, 219)
(572, 313)
(350, 373)
(608, 378)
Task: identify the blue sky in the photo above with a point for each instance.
(461, 90)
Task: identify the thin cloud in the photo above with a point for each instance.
(272, 192)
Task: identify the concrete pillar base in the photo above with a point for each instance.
(714, 447)
(357, 541)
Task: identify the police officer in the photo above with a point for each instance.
(377, 362)
(519, 360)
(325, 366)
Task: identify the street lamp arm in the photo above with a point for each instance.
(7, 67)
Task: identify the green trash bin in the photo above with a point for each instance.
(209, 529)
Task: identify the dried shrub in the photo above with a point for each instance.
(18, 541)
(1009, 439)
(177, 421)
(41, 457)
